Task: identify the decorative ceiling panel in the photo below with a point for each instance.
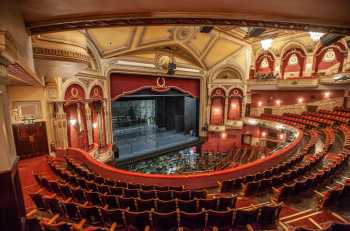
(221, 49)
(111, 40)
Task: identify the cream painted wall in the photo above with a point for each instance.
(11, 20)
(30, 93)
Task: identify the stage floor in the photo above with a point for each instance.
(139, 141)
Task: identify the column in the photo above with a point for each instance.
(226, 110)
(61, 120)
(12, 206)
(108, 120)
(88, 122)
(308, 65)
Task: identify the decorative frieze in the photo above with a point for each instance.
(60, 54)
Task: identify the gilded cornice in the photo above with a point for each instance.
(60, 54)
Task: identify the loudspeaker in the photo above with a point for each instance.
(329, 39)
(255, 31)
(206, 29)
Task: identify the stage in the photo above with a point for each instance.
(144, 141)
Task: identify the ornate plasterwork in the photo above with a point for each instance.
(194, 20)
(60, 54)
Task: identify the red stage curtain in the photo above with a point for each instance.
(123, 84)
(217, 111)
(77, 134)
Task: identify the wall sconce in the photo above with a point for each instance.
(260, 103)
(94, 125)
(300, 100)
(263, 134)
(327, 94)
(278, 102)
(233, 105)
(223, 135)
(216, 110)
(73, 122)
(281, 136)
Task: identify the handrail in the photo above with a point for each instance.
(190, 181)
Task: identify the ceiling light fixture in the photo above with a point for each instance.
(266, 44)
(315, 36)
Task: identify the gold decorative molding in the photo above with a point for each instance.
(60, 54)
(180, 19)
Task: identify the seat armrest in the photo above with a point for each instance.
(113, 227)
(79, 226)
(250, 227)
(31, 213)
(54, 218)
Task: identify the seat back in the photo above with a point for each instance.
(125, 202)
(165, 195)
(145, 205)
(245, 216)
(137, 220)
(93, 198)
(71, 210)
(208, 204)
(131, 193)
(220, 219)
(53, 204)
(192, 221)
(166, 206)
(182, 195)
(198, 194)
(164, 221)
(110, 200)
(226, 202)
(269, 214)
(111, 216)
(189, 206)
(38, 201)
(32, 224)
(150, 194)
(91, 214)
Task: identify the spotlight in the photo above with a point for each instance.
(266, 44)
(300, 100)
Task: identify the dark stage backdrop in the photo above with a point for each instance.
(124, 84)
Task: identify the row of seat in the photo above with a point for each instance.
(137, 204)
(306, 182)
(336, 113)
(81, 184)
(293, 119)
(290, 121)
(296, 171)
(346, 132)
(90, 176)
(264, 178)
(284, 177)
(338, 119)
(338, 195)
(323, 122)
(262, 216)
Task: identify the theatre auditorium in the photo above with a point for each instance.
(174, 115)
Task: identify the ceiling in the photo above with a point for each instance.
(65, 14)
(187, 43)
